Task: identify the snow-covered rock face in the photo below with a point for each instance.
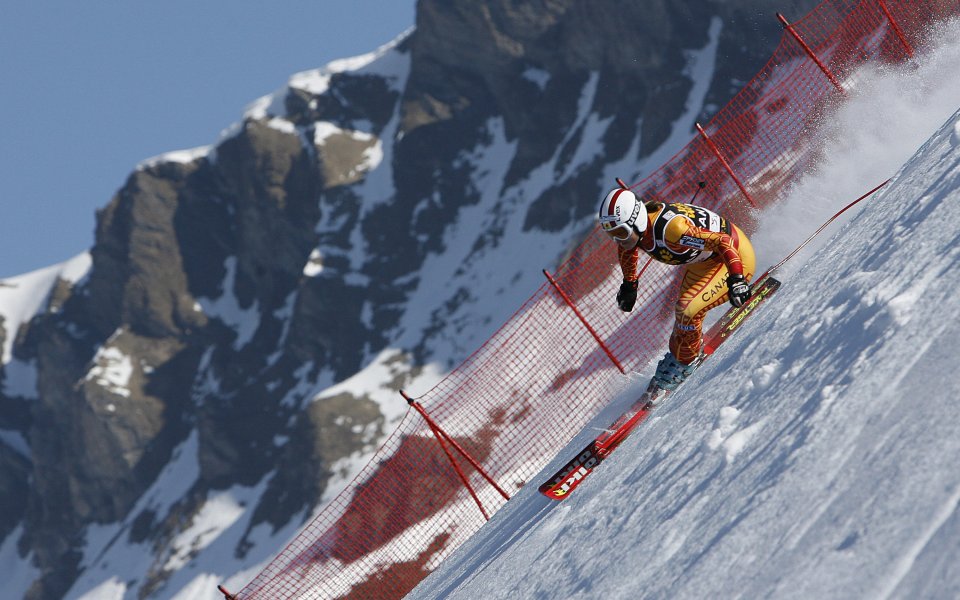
(252, 307)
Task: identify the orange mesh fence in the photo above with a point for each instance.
(534, 384)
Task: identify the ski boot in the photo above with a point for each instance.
(671, 372)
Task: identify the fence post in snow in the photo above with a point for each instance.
(443, 438)
(583, 320)
(896, 28)
(806, 48)
(723, 161)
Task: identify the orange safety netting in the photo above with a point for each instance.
(537, 381)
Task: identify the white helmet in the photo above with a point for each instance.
(619, 212)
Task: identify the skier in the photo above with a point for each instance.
(717, 257)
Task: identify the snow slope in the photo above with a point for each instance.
(815, 455)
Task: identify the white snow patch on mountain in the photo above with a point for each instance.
(587, 96)
(24, 296)
(591, 143)
(539, 77)
(442, 273)
(226, 307)
(111, 370)
(15, 441)
(371, 156)
(377, 186)
(16, 573)
(314, 264)
(20, 378)
(322, 130)
(317, 81)
(282, 125)
(219, 512)
(176, 156)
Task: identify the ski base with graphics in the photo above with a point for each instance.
(731, 320)
(565, 480)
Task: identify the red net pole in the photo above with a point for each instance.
(583, 320)
(442, 438)
(437, 429)
(723, 161)
(896, 27)
(226, 595)
(810, 52)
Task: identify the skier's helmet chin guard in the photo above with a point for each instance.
(619, 212)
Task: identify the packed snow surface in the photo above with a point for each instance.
(814, 456)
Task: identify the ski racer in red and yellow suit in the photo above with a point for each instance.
(714, 253)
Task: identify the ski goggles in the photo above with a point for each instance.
(626, 236)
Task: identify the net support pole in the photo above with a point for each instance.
(443, 438)
(226, 595)
(576, 311)
(786, 25)
(896, 28)
(723, 161)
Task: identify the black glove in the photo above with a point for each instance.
(627, 296)
(739, 290)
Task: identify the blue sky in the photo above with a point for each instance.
(89, 89)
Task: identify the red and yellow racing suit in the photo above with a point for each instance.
(709, 247)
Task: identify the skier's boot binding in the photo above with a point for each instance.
(671, 372)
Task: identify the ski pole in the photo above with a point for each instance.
(700, 186)
(818, 231)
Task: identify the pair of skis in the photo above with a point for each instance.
(576, 470)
